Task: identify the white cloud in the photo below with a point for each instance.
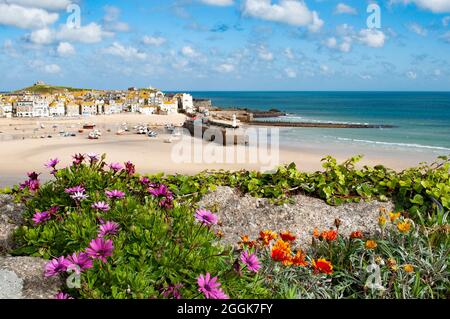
(265, 54)
(342, 8)
(111, 20)
(90, 33)
(220, 3)
(365, 77)
(293, 12)
(290, 73)
(52, 68)
(436, 6)
(42, 4)
(189, 52)
(65, 49)
(344, 46)
(289, 53)
(418, 29)
(225, 68)
(25, 18)
(411, 75)
(127, 53)
(156, 40)
(372, 37)
(41, 36)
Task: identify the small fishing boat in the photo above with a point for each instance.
(80, 131)
(89, 126)
(152, 134)
(94, 135)
(120, 132)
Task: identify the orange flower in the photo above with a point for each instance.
(281, 251)
(329, 235)
(299, 259)
(316, 233)
(245, 241)
(287, 236)
(356, 235)
(404, 227)
(382, 220)
(371, 244)
(394, 216)
(322, 266)
(408, 268)
(267, 236)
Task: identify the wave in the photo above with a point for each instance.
(410, 145)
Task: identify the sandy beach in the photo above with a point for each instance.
(24, 150)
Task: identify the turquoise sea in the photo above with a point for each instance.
(422, 119)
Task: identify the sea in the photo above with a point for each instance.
(421, 120)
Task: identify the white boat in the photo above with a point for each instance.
(94, 135)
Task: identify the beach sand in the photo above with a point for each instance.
(153, 155)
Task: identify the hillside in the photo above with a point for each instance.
(45, 88)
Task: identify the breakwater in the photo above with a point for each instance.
(317, 125)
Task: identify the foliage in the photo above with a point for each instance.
(161, 244)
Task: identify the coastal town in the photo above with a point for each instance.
(42, 100)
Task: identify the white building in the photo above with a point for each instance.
(40, 106)
(6, 109)
(147, 109)
(24, 108)
(187, 103)
(156, 98)
(57, 108)
(169, 107)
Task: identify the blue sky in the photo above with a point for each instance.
(226, 44)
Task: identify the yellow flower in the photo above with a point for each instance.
(404, 227)
(408, 268)
(371, 244)
(382, 220)
(394, 216)
(392, 263)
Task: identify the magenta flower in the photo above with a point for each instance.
(61, 295)
(115, 167)
(102, 206)
(100, 248)
(206, 217)
(164, 195)
(32, 183)
(219, 294)
(130, 168)
(52, 163)
(78, 159)
(76, 189)
(210, 287)
(251, 261)
(108, 228)
(115, 194)
(172, 291)
(93, 157)
(79, 262)
(144, 180)
(53, 210)
(41, 217)
(56, 266)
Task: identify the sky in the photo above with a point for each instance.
(241, 45)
